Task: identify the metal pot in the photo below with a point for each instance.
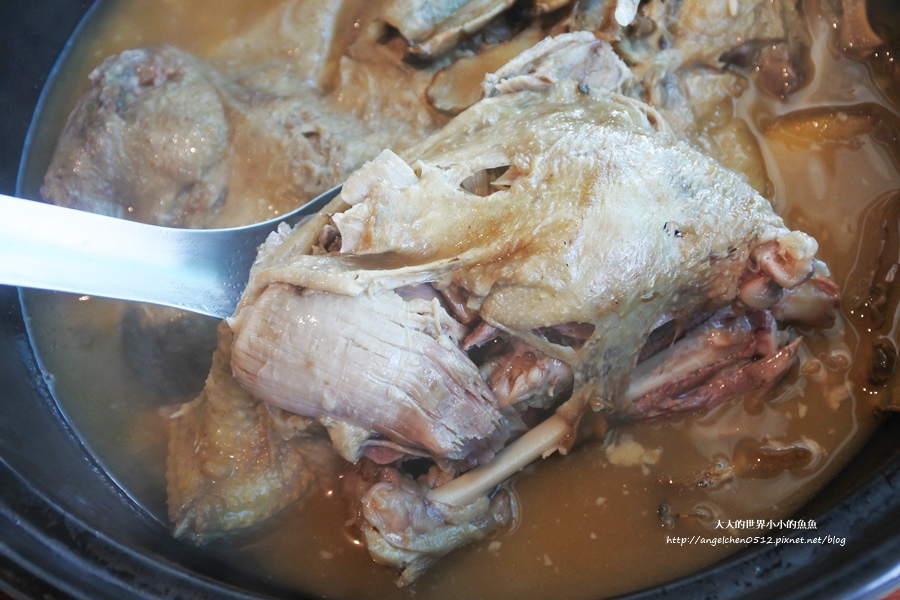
(66, 530)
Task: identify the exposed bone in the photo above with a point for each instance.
(669, 331)
(547, 437)
(626, 11)
(406, 531)
(588, 200)
(526, 377)
(408, 526)
(789, 260)
(723, 338)
(743, 378)
(456, 298)
(538, 442)
(761, 292)
(812, 303)
(481, 335)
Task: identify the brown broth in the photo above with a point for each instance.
(588, 528)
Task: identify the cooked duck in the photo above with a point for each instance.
(567, 256)
(238, 460)
(165, 137)
(559, 219)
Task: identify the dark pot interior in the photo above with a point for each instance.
(66, 530)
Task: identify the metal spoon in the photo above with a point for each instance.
(200, 270)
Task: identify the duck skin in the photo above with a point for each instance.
(552, 234)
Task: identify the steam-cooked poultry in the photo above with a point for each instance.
(596, 227)
(238, 460)
(556, 258)
(163, 136)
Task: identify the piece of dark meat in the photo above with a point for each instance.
(728, 356)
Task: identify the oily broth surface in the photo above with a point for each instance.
(589, 528)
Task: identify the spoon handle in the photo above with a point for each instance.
(49, 247)
(201, 270)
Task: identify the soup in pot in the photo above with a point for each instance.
(227, 113)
